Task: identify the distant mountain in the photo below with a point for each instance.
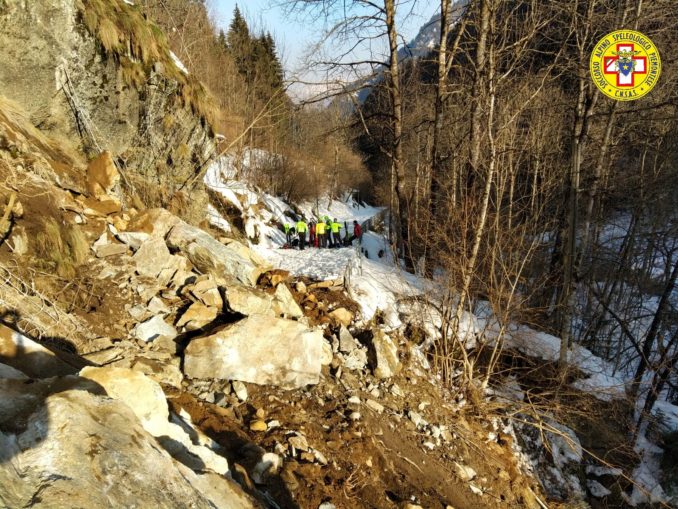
(425, 41)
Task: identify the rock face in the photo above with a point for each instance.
(258, 349)
(65, 66)
(211, 256)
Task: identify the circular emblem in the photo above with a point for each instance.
(625, 65)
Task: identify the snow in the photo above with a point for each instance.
(599, 380)
(217, 220)
(666, 414)
(320, 264)
(646, 488)
(596, 489)
(175, 58)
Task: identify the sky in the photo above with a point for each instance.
(293, 37)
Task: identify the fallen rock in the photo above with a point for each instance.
(102, 207)
(157, 306)
(211, 256)
(102, 175)
(386, 362)
(197, 316)
(249, 301)
(11, 373)
(104, 248)
(342, 316)
(133, 239)
(240, 390)
(207, 292)
(153, 257)
(284, 304)
(377, 407)
(269, 464)
(327, 355)
(31, 358)
(19, 241)
(162, 372)
(147, 400)
(464, 472)
(154, 222)
(258, 349)
(298, 442)
(356, 360)
(417, 419)
(76, 440)
(258, 425)
(346, 341)
(153, 328)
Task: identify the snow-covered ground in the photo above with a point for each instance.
(379, 285)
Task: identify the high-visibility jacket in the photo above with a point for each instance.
(320, 228)
(301, 226)
(286, 227)
(336, 227)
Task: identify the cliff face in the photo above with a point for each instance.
(74, 87)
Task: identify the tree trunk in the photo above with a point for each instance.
(402, 202)
(653, 331)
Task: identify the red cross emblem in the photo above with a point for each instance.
(625, 65)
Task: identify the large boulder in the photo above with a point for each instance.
(147, 400)
(258, 349)
(153, 260)
(29, 357)
(249, 301)
(154, 223)
(71, 446)
(385, 362)
(211, 256)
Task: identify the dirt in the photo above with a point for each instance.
(378, 461)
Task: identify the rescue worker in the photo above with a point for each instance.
(312, 235)
(301, 230)
(320, 233)
(336, 233)
(288, 233)
(357, 232)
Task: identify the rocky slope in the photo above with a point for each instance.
(147, 362)
(97, 75)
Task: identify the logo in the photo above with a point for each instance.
(625, 65)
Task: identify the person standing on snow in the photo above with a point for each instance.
(288, 233)
(320, 234)
(312, 235)
(336, 233)
(357, 232)
(301, 230)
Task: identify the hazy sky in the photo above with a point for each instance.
(292, 37)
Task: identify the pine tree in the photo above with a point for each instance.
(239, 43)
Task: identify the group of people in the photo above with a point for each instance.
(322, 233)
